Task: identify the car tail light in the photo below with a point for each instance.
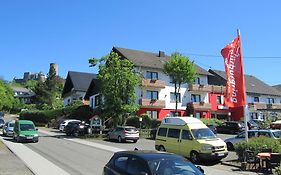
(125, 132)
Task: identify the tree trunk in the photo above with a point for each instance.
(176, 113)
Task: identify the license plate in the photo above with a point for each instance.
(29, 137)
(221, 154)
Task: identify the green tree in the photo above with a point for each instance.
(7, 100)
(48, 92)
(118, 82)
(31, 84)
(181, 70)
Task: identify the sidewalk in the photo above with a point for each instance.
(37, 164)
(10, 164)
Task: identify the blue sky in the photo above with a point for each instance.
(68, 32)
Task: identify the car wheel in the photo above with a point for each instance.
(119, 139)
(17, 139)
(76, 134)
(229, 146)
(194, 157)
(161, 148)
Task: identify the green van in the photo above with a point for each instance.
(25, 131)
(190, 138)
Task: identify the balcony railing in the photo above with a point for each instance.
(217, 89)
(200, 105)
(199, 87)
(274, 106)
(153, 83)
(257, 105)
(152, 103)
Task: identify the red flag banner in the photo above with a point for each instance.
(235, 95)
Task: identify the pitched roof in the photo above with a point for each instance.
(23, 92)
(94, 88)
(278, 87)
(149, 59)
(79, 81)
(253, 84)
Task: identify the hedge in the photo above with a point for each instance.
(43, 117)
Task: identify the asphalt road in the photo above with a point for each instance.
(76, 159)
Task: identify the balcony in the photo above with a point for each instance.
(153, 83)
(199, 87)
(200, 105)
(217, 89)
(274, 106)
(257, 105)
(152, 103)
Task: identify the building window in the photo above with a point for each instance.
(256, 99)
(197, 81)
(152, 114)
(219, 100)
(198, 115)
(97, 100)
(92, 102)
(173, 97)
(152, 75)
(152, 95)
(270, 100)
(195, 98)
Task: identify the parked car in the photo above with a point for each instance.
(2, 122)
(276, 125)
(230, 142)
(25, 130)
(76, 128)
(252, 125)
(149, 163)
(213, 128)
(124, 133)
(8, 129)
(65, 122)
(231, 127)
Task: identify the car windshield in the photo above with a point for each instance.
(203, 133)
(277, 134)
(26, 127)
(173, 166)
(11, 124)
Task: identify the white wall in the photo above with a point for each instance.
(164, 93)
(262, 98)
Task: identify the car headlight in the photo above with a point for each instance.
(207, 147)
(21, 135)
(35, 135)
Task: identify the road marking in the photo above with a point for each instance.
(34, 161)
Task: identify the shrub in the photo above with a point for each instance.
(147, 122)
(211, 121)
(256, 144)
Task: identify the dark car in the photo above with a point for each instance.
(76, 128)
(231, 127)
(2, 122)
(213, 128)
(149, 163)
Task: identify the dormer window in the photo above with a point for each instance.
(151, 75)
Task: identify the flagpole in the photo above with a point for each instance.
(244, 107)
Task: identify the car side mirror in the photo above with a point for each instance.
(200, 169)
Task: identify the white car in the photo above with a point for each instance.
(64, 123)
(230, 142)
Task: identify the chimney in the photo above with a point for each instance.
(161, 54)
